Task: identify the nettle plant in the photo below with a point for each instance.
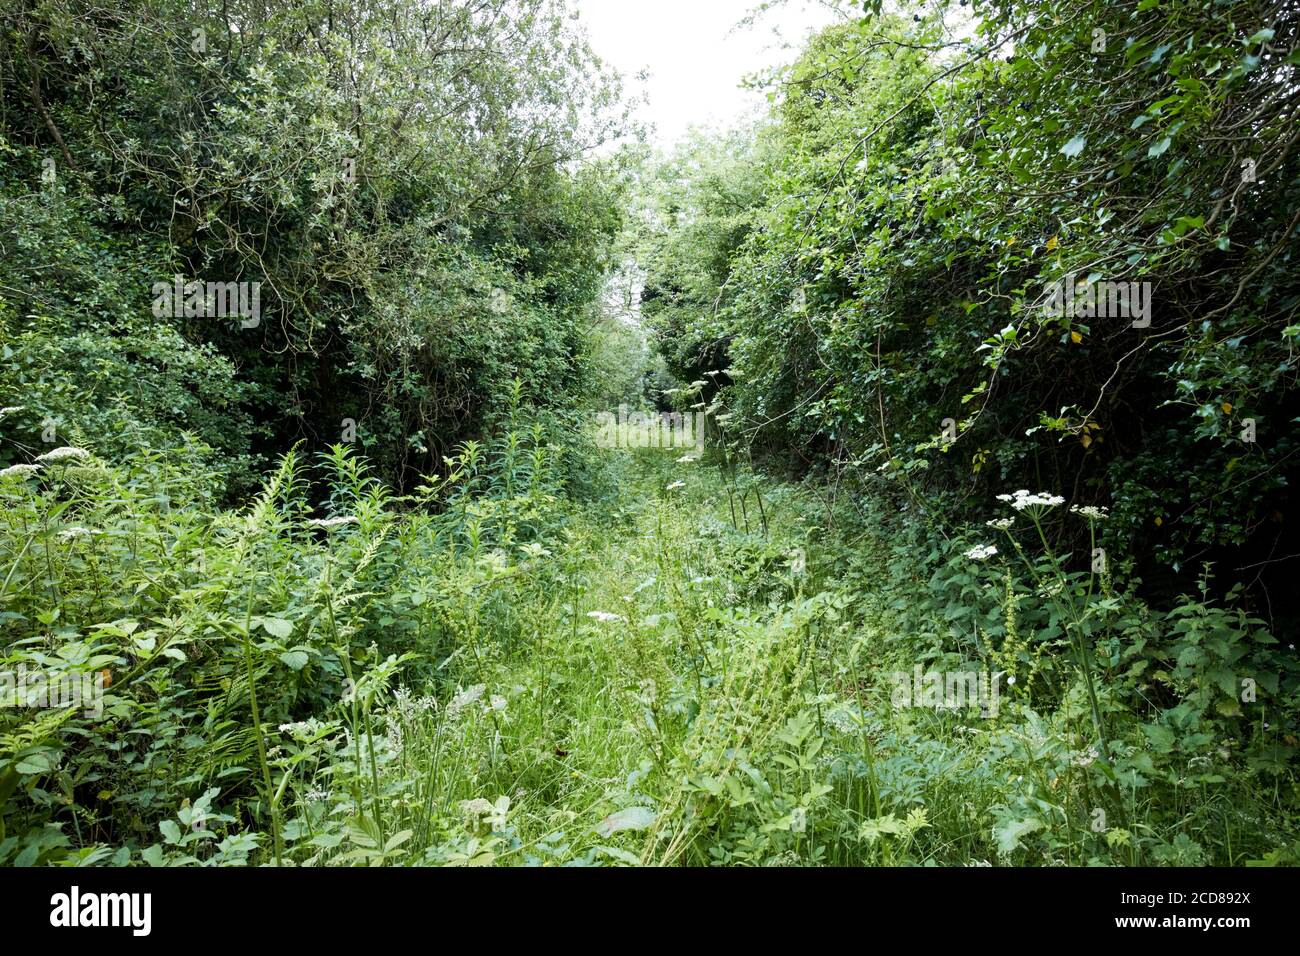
(1180, 699)
(206, 631)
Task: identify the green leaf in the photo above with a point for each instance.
(1011, 833)
(295, 660)
(170, 831)
(276, 626)
(633, 818)
(153, 855)
(1158, 148)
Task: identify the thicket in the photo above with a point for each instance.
(408, 184)
(464, 635)
(868, 276)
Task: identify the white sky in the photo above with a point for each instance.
(694, 59)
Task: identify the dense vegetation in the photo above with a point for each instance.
(359, 587)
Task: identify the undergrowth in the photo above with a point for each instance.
(698, 671)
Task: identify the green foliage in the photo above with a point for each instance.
(465, 635)
(411, 188)
(878, 264)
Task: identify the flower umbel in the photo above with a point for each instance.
(66, 453)
(1022, 500)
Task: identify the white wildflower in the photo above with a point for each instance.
(1091, 512)
(303, 729)
(982, 553)
(1001, 524)
(10, 410)
(66, 453)
(675, 485)
(1084, 757)
(496, 702)
(76, 531)
(1022, 499)
(604, 616)
(331, 522)
(19, 470)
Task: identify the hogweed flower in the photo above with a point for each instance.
(1001, 524)
(1022, 500)
(19, 470)
(1091, 512)
(328, 523)
(1084, 757)
(982, 552)
(66, 453)
(477, 807)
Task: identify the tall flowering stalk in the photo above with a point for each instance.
(1035, 506)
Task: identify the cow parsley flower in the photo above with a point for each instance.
(1022, 500)
(1091, 512)
(331, 522)
(1001, 524)
(304, 730)
(982, 553)
(66, 453)
(19, 470)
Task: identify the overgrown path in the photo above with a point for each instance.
(670, 673)
(690, 690)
